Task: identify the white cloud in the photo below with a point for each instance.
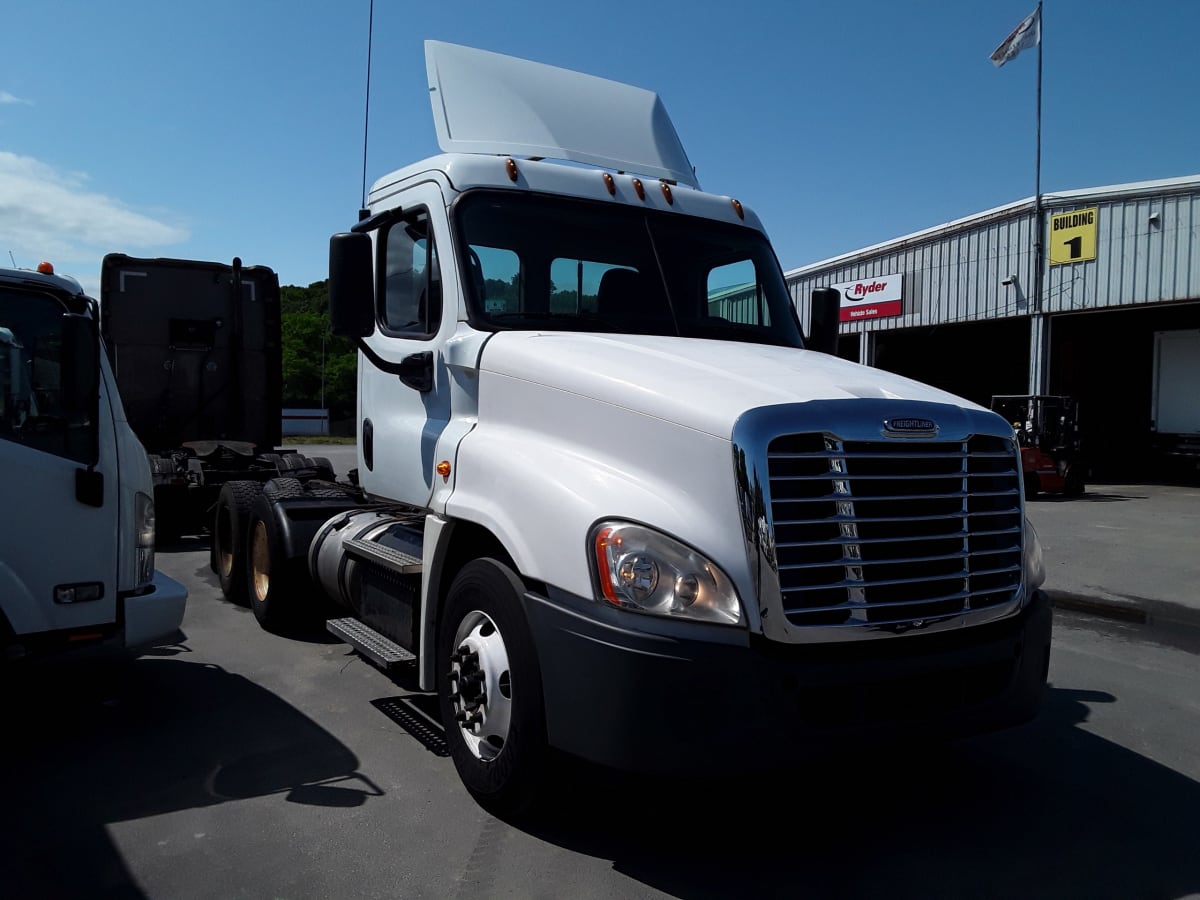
(6, 97)
(48, 214)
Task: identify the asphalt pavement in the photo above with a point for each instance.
(1128, 551)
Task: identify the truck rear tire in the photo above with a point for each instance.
(324, 468)
(490, 689)
(228, 554)
(279, 590)
(283, 488)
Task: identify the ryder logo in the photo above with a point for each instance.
(871, 298)
(861, 291)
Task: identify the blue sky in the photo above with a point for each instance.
(224, 128)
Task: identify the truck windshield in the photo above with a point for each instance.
(36, 371)
(538, 262)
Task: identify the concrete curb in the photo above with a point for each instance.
(1140, 610)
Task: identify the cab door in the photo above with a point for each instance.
(404, 385)
(58, 534)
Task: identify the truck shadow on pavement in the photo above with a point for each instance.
(89, 743)
(1045, 810)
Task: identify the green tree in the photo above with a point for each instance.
(305, 325)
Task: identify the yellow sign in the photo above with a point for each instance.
(1073, 236)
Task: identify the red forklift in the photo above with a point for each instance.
(1047, 428)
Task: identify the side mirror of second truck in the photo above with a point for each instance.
(823, 322)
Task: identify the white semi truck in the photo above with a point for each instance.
(77, 535)
(609, 497)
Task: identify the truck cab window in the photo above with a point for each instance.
(574, 265)
(35, 408)
(735, 295)
(496, 279)
(575, 284)
(412, 294)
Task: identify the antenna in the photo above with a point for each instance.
(13, 258)
(367, 109)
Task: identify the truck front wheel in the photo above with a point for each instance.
(490, 688)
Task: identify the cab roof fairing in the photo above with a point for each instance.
(488, 103)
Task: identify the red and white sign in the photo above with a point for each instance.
(871, 298)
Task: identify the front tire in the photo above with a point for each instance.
(490, 689)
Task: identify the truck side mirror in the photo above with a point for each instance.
(351, 285)
(823, 322)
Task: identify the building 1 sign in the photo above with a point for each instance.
(871, 298)
(1072, 236)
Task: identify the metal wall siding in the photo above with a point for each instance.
(956, 277)
(952, 279)
(1137, 262)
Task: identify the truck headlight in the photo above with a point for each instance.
(143, 529)
(1032, 562)
(641, 569)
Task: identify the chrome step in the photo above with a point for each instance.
(381, 650)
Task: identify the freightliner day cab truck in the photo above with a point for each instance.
(77, 536)
(197, 351)
(611, 499)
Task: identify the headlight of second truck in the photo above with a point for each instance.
(143, 529)
(641, 569)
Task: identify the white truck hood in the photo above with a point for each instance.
(700, 384)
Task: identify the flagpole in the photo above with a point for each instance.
(1038, 250)
(1037, 178)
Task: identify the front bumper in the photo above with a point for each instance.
(156, 614)
(639, 700)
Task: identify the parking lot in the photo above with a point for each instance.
(236, 763)
(1128, 550)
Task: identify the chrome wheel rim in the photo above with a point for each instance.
(260, 562)
(480, 686)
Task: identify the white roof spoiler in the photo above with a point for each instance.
(493, 104)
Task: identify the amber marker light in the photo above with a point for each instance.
(737, 208)
(611, 184)
(443, 469)
(45, 268)
(667, 193)
(604, 540)
(639, 188)
(511, 167)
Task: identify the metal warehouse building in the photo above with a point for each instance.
(956, 305)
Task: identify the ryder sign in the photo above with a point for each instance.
(871, 298)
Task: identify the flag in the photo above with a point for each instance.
(1027, 34)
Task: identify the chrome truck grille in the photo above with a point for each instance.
(869, 532)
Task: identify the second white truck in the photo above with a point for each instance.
(610, 498)
(77, 536)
